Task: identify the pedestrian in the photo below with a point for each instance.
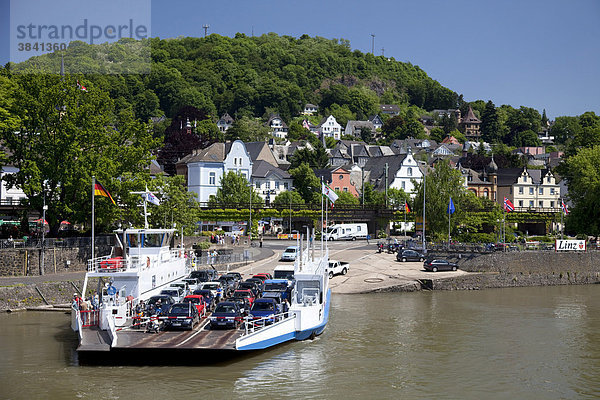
(261, 240)
(368, 238)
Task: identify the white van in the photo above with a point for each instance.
(346, 232)
(283, 272)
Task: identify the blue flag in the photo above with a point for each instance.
(451, 208)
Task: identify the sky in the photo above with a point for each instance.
(543, 54)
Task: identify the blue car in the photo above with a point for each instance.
(282, 286)
(264, 308)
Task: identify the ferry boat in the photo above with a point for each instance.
(142, 263)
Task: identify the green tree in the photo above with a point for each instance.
(248, 130)
(583, 180)
(235, 191)
(284, 199)
(371, 196)
(306, 183)
(317, 158)
(365, 135)
(64, 136)
(443, 183)
(346, 199)
(437, 134)
(526, 138)
(490, 126)
(397, 198)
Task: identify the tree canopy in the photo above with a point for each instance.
(235, 190)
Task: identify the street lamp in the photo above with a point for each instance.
(290, 196)
(250, 220)
(43, 235)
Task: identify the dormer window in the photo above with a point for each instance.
(524, 178)
(409, 171)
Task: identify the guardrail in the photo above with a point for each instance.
(252, 325)
(224, 258)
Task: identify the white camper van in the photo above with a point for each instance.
(346, 232)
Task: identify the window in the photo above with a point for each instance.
(276, 184)
(244, 175)
(341, 177)
(531, 203)
(337, 189)
(409, 171)
(268, 185)
(235, 161)
(520, 190)
(212, 178)
(551, 190)
(552, 204)
(520, 203)
(549, 180)
(345, 189)
(541, 190)
(541, 204)
(257, 184)
(285, 185)
(404, 187)
(524, 179)
(486, 193)
(530, 190)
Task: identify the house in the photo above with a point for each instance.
(355, 128)
(376, 121)
(338, 179)
(484, 184)
(225, 122)
(471, 125)
(205, 168)
(261, 151)
(474, 146)
(447, 113)
(390, 109)
(530, 150)
(278, 128)
(403, 172)
(329, 127)
(310, 109)
(529, 189)
(9, 194)
(268, 180)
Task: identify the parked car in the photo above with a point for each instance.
(243, 303)
(440, 265)
(229, 283)
(338, 267)
(263, 275)
(238, 277)
(282, 286)
(264, 308)
(410, 255)
(209, 298)
(227, 314)
(252, 286)
(216, 287)
(175, 292)
(181, 316)
(192, 283)
(198, 301)
(290, 253)
(204, 275)
(245, 294)
(165, 303)
(260, 283)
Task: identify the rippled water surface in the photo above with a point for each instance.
(522, 343)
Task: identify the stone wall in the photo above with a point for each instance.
(21, 262)
(19, 296)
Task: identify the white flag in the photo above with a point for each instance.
(151, 198)
(329, 193)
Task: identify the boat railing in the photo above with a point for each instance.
(254, 324)
(89, 318)
(107, 264)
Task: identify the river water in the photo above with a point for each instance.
(520, 343)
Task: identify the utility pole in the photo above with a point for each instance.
(386, 184)
(205, 27)
(362, 185)
(42, 261)
(372, 43)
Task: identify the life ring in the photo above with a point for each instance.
(147, 262)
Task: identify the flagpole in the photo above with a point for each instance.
(93, 205)
(322, 233)
(449, 216)
(405, 220)
(562, 227)
(503, 229)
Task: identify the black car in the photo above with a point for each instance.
(204, 275)
(243, 303)
(251, 286)
(181, 316)
(229, 284)
(227, 314)
(440, 265)
(410, 255)
(260, 283)
(165, 303)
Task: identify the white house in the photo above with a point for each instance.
(269, 181)
(225, 122)
(278, 128)
(310, 109)
(402, 172)
(329, 127)
(205, 168)
(9, 195)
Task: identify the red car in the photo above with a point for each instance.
(263, 276)
(198, 301)
(244, 294)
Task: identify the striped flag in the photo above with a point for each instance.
(327, 191)
(564, 207)
(508, 205)
(100, 191)
(406, 207)
(81, 87)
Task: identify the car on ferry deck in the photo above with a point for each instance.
(176, 293)
(181, 316)
(439, 265)
(260, 283)
(244, 294)
(216, 287)
(227, 315)
(252, 286)
(204, 275)
(198, 301)
(264, 308)
(282, 286)
(166, 301)
(209, 299)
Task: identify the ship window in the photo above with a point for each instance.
(152, 239)
(133, 240)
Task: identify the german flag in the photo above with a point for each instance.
(100, 191)
(406, 207)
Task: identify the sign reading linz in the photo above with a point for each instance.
(570, 245)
